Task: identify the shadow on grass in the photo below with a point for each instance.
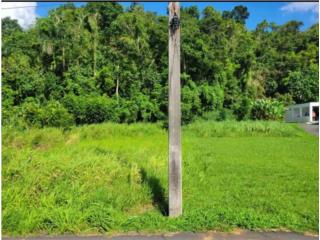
(157, 192)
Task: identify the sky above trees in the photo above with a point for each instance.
(278, 12)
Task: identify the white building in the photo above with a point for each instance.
(305, 112)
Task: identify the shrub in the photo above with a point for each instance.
(267, 109)
(96, 110)
(76, 106)
(219, 115)
(90, 109)
(304, 85)
(286, 98)
(32, 113)
(190, 104)
(127, 111)
(211, 97)
(242, 109)
(148, 110)
(12, 117)
(226, 115)
(54, 114)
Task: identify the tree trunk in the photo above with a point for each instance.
(63, 60)
(117, 85)
(94, 57)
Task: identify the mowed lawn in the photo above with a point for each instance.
(113, 178)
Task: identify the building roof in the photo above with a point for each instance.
(305, 104)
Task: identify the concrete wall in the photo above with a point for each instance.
(300, 113)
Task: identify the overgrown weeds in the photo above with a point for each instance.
(113, 178)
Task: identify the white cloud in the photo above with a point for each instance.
(24, 12)
(301, 7)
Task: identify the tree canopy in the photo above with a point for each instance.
(100, 62)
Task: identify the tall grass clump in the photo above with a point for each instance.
(242, 129)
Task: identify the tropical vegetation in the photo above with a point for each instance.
(101, 62)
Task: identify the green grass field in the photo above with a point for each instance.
(113, 178)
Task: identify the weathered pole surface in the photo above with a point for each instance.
(175, 179)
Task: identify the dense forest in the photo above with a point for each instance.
(101, 62)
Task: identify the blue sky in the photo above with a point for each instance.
(278, 12)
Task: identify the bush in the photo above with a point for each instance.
(304, 85)
(219, 115)
(55, 115)
(96, 110)
(242, 109)
(211, 97)
(76, 106)
(90, 109)
(226, 115)
(127, 111)
(32, 113)
(12, 117)
(267, 109)
(148, 111)
(190, 104)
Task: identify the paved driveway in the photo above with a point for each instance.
(311, 128)
(188, 236)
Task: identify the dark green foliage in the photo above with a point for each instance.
(90, 109)
(192, 11)
(76, 106)
(191, 104)
(9, 26)
(53, 114)
(97, 109)
(304, 86)
(100, 63)
(239, 14)
(242, 109)
(32, 113)
(219, 115)
(211, 97)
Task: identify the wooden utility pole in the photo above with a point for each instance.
(175, 179)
